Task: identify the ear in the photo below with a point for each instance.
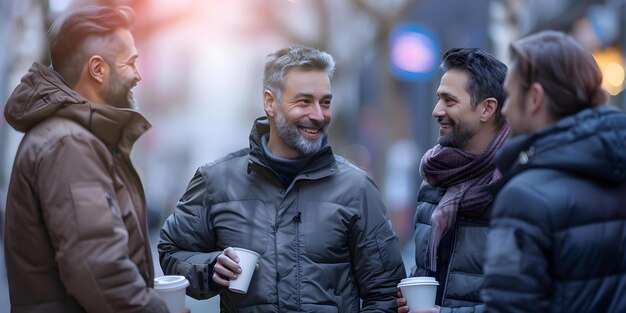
(488, 107)
(536, 97)
(268, 103)
(97, 68)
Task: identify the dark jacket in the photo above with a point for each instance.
(76, 233)
(558, 242)
(460, 255)
(325, 240)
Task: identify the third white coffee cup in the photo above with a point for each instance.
(247, 261)
(172, 290)
(419, 292)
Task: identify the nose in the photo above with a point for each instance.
(137, 75)
(438, 110)
(505, 107)
(316, 113)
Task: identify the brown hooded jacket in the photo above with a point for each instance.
(76, 232)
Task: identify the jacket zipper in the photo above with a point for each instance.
(445, 288)
(297, 219)
(134, 176)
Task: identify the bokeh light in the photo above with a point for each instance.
(413, 52)
(611, 65)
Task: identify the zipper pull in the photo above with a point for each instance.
(297, 218)
(109, 200)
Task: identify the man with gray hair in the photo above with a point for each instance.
(317, 221)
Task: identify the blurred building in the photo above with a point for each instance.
(202, 66)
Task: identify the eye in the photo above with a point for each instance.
(304, 101)
(325, 103)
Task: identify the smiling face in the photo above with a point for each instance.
(123, 74)
(457, 118)
(300, 121)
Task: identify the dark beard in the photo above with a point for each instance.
(459, 137)
(118, 94)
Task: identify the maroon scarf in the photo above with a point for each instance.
(466, 178)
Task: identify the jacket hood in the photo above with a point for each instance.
(39, 95)
(42, 94)
(591, 143)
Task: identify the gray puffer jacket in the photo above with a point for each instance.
(460, 255)
(325, 241)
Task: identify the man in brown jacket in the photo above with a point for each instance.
(76, 232)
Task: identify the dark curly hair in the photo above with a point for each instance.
(486, 75)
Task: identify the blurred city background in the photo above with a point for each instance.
(202, 66)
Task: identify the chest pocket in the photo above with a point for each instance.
(244, 224)
(327, 230)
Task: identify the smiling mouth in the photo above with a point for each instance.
(445, 128)
(445, 122)
(310, 131)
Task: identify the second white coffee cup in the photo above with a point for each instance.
(247, 261)
(172, 289)
(419, 292)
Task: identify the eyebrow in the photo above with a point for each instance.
(132, 57)
(308, 95)
(447, 95)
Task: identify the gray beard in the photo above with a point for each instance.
(292, 137)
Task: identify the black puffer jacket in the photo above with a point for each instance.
(558, 238)
(459, 257)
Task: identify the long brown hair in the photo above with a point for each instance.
(566, 70)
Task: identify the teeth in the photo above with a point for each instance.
(311, 130)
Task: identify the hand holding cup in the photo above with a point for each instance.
(234, 268)
(227, 267)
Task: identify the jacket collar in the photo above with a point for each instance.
(43, 94)
(321, 159)
(588, 144)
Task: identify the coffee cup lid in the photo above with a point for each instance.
(170, 282)
(424, 280)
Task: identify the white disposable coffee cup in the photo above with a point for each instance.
(419, 292)
(171, 288)
(247, 261)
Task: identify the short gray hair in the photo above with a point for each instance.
(278, 63)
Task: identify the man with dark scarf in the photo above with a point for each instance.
(452, 214)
